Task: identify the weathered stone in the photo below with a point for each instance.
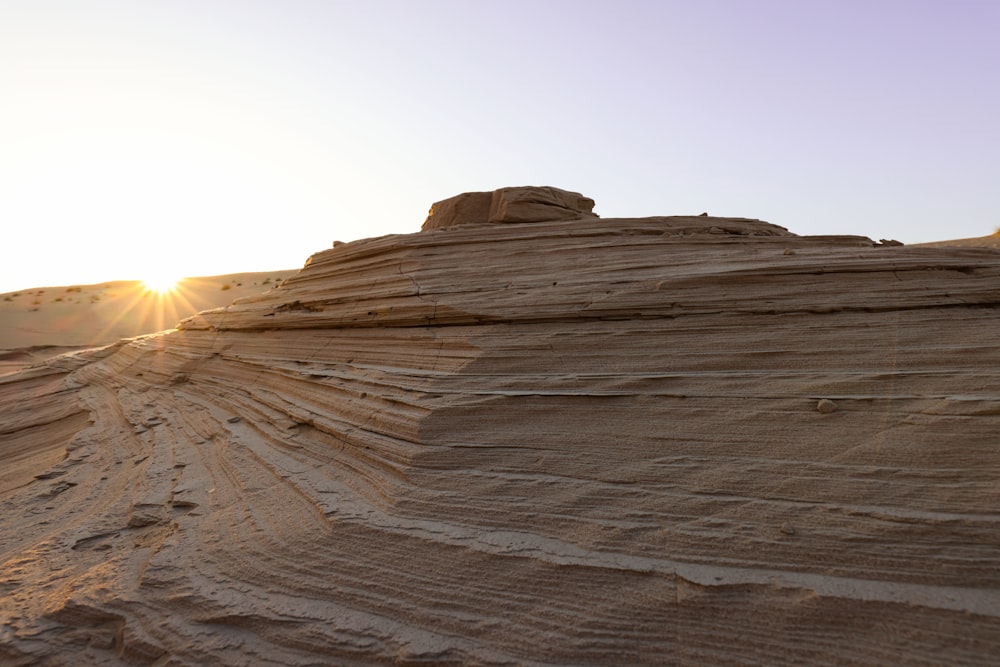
(539, 204)
(826, 406)
(464, 209)
(590, 442)
(509, 205)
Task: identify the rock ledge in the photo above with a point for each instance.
(509, 205)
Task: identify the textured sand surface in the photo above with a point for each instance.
(684, 440)
(991, 241)
(90, 315)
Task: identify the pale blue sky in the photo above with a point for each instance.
(216, 136)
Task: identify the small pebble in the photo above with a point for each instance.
(826, 406)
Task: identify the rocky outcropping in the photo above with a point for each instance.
(686, 440)
(511, 205)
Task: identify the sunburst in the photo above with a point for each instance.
(161, 283)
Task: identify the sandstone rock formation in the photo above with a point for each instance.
(520, 204)
(593, 441)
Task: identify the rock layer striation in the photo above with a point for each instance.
(509, 205)
(685, 440)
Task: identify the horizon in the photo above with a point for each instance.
(151, 284)
(200, 140)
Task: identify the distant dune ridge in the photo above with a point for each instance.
(526, 438)
(35, 320)
(991, 241)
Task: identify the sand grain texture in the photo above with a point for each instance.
(596, 441)
(34, 322)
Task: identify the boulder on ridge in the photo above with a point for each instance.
(509, 205)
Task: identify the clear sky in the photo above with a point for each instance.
(215, 136)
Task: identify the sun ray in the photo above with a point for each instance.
(151, 310)
(161, 283)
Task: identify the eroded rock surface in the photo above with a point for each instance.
(509, 205)
(593, 441)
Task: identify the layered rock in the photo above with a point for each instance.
(689, 440)
(509, 205)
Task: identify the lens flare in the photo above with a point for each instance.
(161, 284)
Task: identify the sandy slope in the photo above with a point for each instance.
(991, 241)
(646, 441)
(89, 315)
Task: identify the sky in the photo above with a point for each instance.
(203, 137)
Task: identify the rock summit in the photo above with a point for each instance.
(509, 205)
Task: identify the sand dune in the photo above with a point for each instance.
(991, 241)
(668, 440)
(92, 315)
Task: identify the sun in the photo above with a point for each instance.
(162, 283)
